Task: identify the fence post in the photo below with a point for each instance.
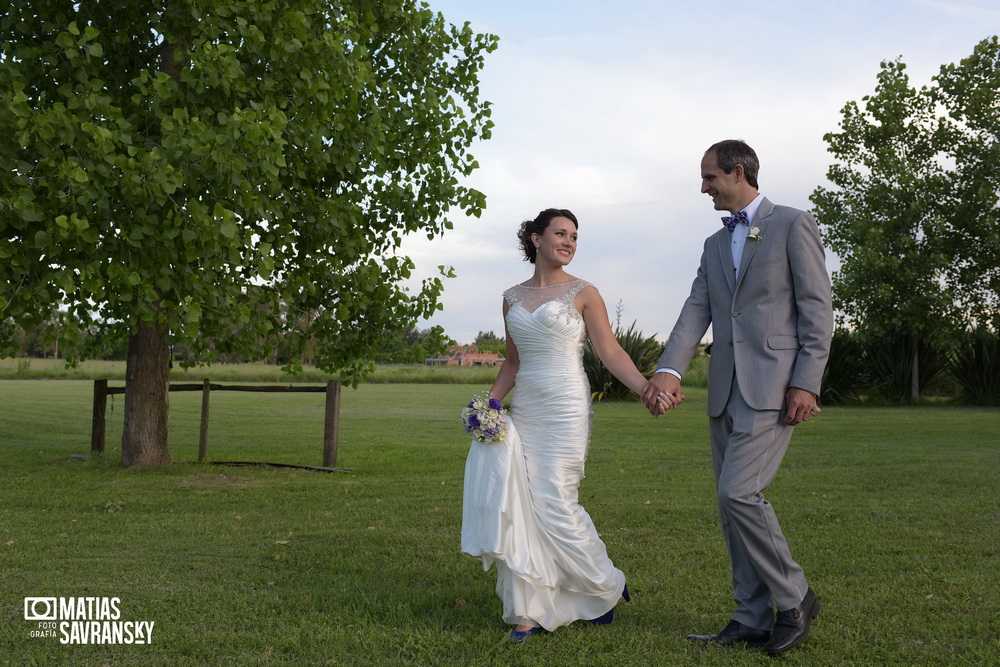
(100, 408)
(206, 390)
(331, 427)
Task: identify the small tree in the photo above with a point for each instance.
(413, 346)
(487, 341)
(191, 172)
(909, 246)
(55, 335)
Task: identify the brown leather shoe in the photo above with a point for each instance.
(792, 626)
(734, 633)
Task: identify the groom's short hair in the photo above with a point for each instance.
(732, 152)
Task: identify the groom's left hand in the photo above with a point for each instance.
(801, 406)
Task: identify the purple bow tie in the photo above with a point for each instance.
(730, 221)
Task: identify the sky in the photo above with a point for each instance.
(607, 108)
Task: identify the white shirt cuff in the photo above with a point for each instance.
(669, 370)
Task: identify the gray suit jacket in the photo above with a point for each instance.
(773, 327)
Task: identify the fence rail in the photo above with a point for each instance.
(331, 425)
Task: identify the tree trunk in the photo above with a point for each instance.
(147, 382)
(915, 372)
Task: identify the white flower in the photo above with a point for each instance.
(485, 419)
(755, 235)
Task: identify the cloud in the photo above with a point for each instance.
(963, 12)
(607, 111)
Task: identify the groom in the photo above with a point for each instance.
(763, 286)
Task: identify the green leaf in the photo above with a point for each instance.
(282, 146)
(78, 175)
(266, 267)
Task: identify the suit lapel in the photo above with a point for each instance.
(726, 255)
(760, 220)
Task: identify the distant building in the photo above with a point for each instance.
(465, 355)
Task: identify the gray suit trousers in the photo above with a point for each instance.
(747, 448)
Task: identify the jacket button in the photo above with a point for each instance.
(730, 343)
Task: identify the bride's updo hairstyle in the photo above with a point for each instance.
(538, 226)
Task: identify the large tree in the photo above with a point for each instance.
(969, 92)
(913, 212)
(193, 170)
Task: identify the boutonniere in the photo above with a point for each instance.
(755, 234)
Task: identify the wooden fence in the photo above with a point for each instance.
(330, 430)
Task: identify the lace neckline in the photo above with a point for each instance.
(568, 282)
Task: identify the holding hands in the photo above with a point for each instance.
(661, 392)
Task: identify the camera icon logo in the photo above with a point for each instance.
(41, 609)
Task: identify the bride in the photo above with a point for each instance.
(520, 509)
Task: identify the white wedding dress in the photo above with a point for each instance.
(520, 508)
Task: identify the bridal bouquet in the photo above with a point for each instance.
(485, 419)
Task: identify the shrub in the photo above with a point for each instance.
(976, 366)
(845, 377)
(643, 350)
(890, 360)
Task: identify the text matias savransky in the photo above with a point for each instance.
(85, 620)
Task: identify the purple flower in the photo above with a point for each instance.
(485, 419)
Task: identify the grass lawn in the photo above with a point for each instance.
(893, 512)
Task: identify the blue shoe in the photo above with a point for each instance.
(609, 617)
(516, 637)
(606, 619)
